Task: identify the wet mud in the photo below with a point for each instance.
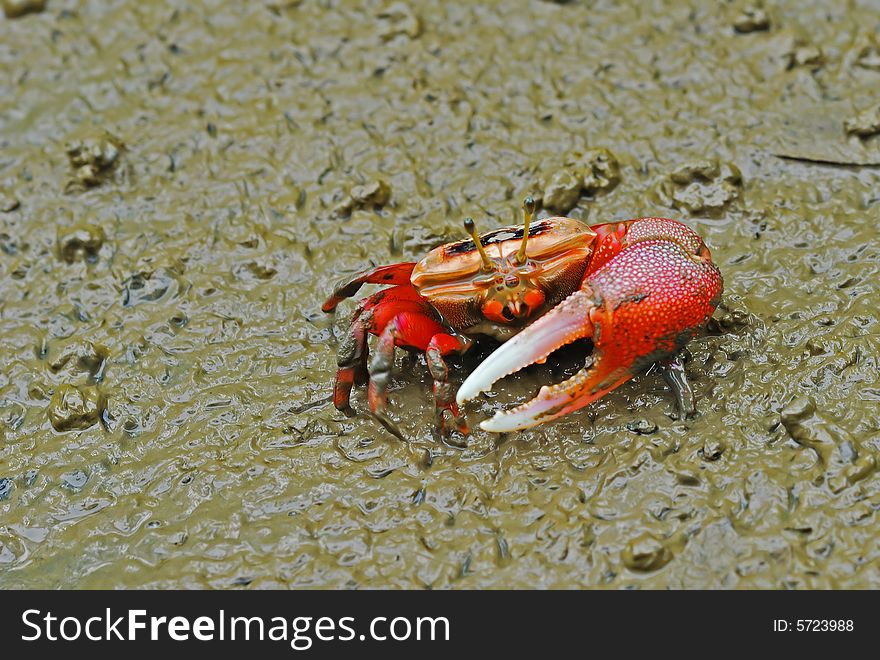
(183, 183)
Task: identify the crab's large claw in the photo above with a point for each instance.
(640, 307)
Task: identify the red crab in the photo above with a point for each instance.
(640, 289)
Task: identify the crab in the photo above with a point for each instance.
(640, 289)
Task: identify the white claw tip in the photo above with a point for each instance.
(466, 394)
(497, 424)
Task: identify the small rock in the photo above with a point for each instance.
(399, 19)
(868, 56)
(74, 480)
(375, 193)
(562, 192)
(367, 196)
(344, 208)
(8, 202)
(597, 169)
(5, 487)
(805, 55)
(646, 553)
(752, 19)
(704, 187)
(642, 427)
(18, 8)
(75, 407)
(702, 170)
(869, 59)
(865, 124)
(712, 449)
(11, 246)
(93, 159)
(80, 243)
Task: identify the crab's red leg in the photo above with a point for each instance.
(395, 274)
(416, 329)
(380, 374)
(351, 359)
(444, 394)
(640, 307)
(399, 316)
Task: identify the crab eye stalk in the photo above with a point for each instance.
(471, 229)
(529, 212)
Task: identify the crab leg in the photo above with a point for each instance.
(395, 274)
(443, 344)
(640, 307)
(408, 329)
(675, 376)
(351, 360)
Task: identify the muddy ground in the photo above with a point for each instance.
(182, 183)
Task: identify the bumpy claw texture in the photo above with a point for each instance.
(640, 307)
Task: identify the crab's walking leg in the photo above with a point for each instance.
(675, 376)
(444, 394)
(351, 360)
(640, 307)
(394, 274)
(410, 330)
(380, 374)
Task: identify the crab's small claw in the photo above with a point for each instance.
(640, 307)
(569, 321)
(577, 316)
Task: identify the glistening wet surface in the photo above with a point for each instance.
(182, 183)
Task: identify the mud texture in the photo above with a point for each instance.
(182, 183)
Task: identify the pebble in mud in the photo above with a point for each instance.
(597, 169)
(398, 19)
(865, 124)
(705, 187)
(646, 553)
(93, 160)
(591, 172)
(803, 55)
(80, 243)
(712, 449)
(562, 191)
(248, 382)
(752, 19)
(8, 202)
(868, 56)
(75, 407)
(642, 427)
(374, 194)
(19, 8)
(5, 487)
